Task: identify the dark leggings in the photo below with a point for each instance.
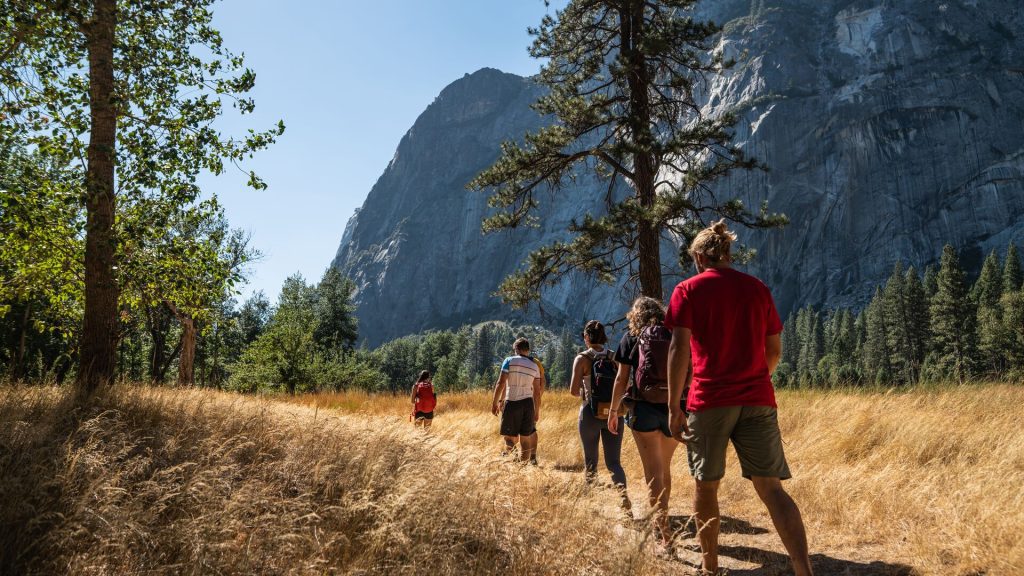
(592, 431)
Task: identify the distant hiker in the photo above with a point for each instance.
(727, 320)
(593, 378)
(643, 354)
(424, 400)
(517, 398)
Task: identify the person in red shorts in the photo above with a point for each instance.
(726, 322)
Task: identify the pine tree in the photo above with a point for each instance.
(1013, 325)
(1012, 275)
(953, 320)
(876, 352)
(897, 327)
(986, 293)
(930, 281)
(483, 351)
(622, 78)
(790, 345)
(845, 348)
(917, 316)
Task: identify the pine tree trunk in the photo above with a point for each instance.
(99, 327)
(644, 169)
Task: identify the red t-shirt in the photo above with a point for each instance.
(729, 314)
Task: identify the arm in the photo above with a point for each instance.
(413, 397)
(773, 351)
(678, 378)
(577, 375)
(499, 389)
(621, 381)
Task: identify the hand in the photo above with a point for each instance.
(613, 421)
(536, 415)
(677, 425)
(495, 408)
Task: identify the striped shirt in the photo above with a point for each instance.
(522, 371)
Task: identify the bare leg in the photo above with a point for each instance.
(656, 456)
(705, 502)
(510, 445)
(786, 517)
(528, 444)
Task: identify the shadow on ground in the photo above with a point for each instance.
(686, 526)
(776, 564)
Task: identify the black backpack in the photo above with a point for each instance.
(602, 382)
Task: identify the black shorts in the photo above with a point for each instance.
(648, 417)
(517, 418)
(425, 415)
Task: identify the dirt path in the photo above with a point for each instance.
(746, 548)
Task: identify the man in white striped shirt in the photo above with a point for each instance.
(517, 397)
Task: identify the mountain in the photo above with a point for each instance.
(890, 127)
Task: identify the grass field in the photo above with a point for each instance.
(143, 480)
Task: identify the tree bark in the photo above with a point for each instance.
(100, 324)
(186, 345)
(631, 32)
(186, 362)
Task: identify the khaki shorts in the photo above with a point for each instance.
(754, 432)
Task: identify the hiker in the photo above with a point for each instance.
(593, 378)
(725, 323)
(643, 354)
(517, 398)
(424, 400)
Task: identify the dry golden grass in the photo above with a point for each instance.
(149, 481)
(924, 481)
(143, 480)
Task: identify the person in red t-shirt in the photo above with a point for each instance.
(726, 323)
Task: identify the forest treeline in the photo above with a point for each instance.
(935, 327)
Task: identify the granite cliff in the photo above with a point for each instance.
(891, 127)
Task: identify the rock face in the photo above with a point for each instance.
(891, 127)
(415, 249)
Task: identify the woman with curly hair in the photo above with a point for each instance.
(643, 354)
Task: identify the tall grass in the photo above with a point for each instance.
(142, 480)
(927, 480)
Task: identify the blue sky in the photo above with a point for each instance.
(348, 78)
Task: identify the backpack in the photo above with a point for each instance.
(602, 382)
(426, 400)
(652, 368)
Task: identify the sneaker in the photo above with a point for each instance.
(533, 461)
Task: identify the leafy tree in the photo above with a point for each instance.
(253, 316)
(41, 277)
(623, 78)
(144, 79)
(399, 363)
(336, 327)
(953, 321)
